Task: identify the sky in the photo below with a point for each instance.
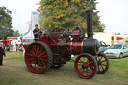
(113, 14)
(21, 12)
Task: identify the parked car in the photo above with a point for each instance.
(117, 50)
(103, 46)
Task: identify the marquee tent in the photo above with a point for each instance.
(28, 35)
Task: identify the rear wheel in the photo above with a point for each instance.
(85, 66)
(38, 57)
(121, 55)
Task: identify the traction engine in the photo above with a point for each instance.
(54, 50)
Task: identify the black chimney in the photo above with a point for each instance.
(89, 24)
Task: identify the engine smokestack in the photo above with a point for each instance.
(89, 24)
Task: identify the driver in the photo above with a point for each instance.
(37, 32)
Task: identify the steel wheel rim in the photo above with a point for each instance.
(84, 70)
(36, 58)
(103, 64)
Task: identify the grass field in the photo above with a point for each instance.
(15, 72)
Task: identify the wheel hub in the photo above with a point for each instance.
(85, 65)
(99, 62)
(36, 58)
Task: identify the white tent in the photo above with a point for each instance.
(28, 35)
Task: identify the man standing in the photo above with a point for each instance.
(37, 32)
(1, 54)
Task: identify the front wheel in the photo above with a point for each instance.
(85, 66)
(121, 55)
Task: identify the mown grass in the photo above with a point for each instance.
(15, 72)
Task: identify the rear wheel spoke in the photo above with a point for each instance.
(37, 50)
(38, 66)
(34, 48)
(32, 62)
(44, 60)
(42, 53)
(43, 64)
(35, 65)
(31, 58)
(30, 55)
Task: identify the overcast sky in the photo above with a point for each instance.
(113, 14)
(21, 12)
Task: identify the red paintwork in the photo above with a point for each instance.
(5, 42)
(75, 35)
(72, 47)
(11, 38)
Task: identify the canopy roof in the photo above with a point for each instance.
(28, 35)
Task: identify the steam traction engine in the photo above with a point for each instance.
(53, 51)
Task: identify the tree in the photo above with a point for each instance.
(5, 23)
(16, 33)
(68, 14)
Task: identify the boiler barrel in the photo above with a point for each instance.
(84, 46)
(91, 46)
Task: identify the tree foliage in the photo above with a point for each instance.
(68, 14)
(6, 23)
(16, 33)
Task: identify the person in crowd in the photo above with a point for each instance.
(16, 46)
(42, 32)
(1, 54)
(4, 50)
(8, 47)
(37, 32)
